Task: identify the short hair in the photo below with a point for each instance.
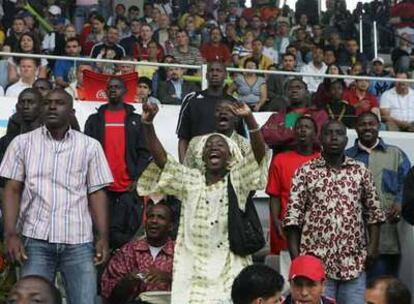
(368, 113)
(54, 292)
(133, 8)
(310, 118)
(298, 78)
(65, 94)
(164, 204)
(330, 122)
(117, 78)
(100, 18)
(257, 40)
(145, 80)
(36, 61)
(250, 59)
(328, 82)
(329, 48)
(72, 39)
(211, 63)
(256, 281)
(49, 83)
(31, 91)
(395, 291)
(287, 55)
(183, 31)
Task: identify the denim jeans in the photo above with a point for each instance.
(347, 292)
(74, 262)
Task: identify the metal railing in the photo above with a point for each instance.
(202, 68)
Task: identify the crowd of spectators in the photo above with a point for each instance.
(168, 223)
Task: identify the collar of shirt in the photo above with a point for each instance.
(379, 144)
(47, 133)
(167, 249)
(320, 162)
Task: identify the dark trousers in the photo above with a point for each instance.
(386, 264)
(125, 213)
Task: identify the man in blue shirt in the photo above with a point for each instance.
(389, 165)
(64, 69)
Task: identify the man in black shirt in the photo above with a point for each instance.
(198, 108)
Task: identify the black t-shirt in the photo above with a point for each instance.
(343, 112)
(197, 115)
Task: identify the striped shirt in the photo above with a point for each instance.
(57, 177)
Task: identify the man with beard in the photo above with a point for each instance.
(118, 128)
(332, 205)
(144, 264)
(278, 130)
(56, 179)
(389, 165)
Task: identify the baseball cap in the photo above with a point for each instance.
(307, 266)
(55, 10)
(378, 59)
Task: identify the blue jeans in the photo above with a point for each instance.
(74, 262)
(347, 292)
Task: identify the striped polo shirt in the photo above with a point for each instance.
(57, 175)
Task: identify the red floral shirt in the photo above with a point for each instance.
(333, 207)
(136, 256)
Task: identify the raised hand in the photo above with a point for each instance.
(149, 111)
(241, 109)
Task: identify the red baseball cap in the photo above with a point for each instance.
(307, 266)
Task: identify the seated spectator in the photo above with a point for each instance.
(144, 264)
(215, 50)
(128, 42)
(302, 23)
(232, 38)
(329, 56)
(336, 107)
(28, 68)
(161, 74)
(352, 55)
(172, 91)
(147, 16)
(244, 48)
(387, 290)
(270, 51)
(307, 281)
(34, 288)
(121, 23)
(133, 13)
(144, 91)
(183, 52)
(291, 49)
(109, 43)
(196, 36)
(171, 43)
(51, 43)
(397, 106)
(355, 70)
(257, 284)
(119, 11)
(278, 130)
(403, 55)
(317, 36)
(276, 84)
(377, 87)
(282, 39)
(141, 50)
(96, 35)
(322, 97)
(316, 66)
(262, 61)
(191, 11)
(77, 88)
(251, 88)
(17, 29)
(126, 68)
(29, 45)
(303, 44)
(338, 47)
(161, 34)
(64, 70)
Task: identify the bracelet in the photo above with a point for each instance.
(254, 130)
(146, 122)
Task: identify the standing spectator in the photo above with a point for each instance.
(198, 108)
(183, 52)
(144, 264)
(278, 129)
(389, 166)
(349, 203)
(316, 66)
(257, 284)
(279, 183)
(97, 34)
(28, 68)
(387, 290)
(204, 197)
(144, 91)
(215, 50)
(64, 70)
(161, 34)
(109, 44)
(276, 84)
(352, 55)
(141, 50)
(71, 185)
(251, 88)
(28, 45)
(119, 131)
(17, 30)
(262, 61)
(307, 281)
(128, 43)
(360, 98)
(377, 87)
(403, 55)
(173, 90)
(397, 106)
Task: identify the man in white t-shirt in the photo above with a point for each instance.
(316, 66)
(28, 69)
(397, 106)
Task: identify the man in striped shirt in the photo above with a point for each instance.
(55, 189)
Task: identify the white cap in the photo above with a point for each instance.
(55, 10)
(378, 59)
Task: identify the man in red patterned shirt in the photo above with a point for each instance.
(333, 202)
(144, 264)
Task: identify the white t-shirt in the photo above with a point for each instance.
(401, 107)
(313, 82)
(15, 89)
